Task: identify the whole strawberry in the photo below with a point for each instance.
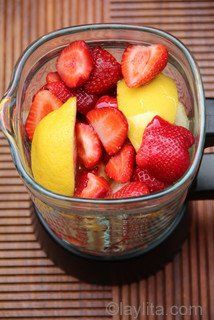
(105, 74)
(164, 150)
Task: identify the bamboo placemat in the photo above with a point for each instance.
(31, 287)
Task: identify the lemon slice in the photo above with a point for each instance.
(159, 96)
(53, 150)
(137, 125)
(140, 105)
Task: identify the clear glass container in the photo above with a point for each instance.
(105, 229)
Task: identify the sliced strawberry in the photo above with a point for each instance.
(97, 187)
(60, 90)
(132, 189)
(75, 64)
(43, 103)
(106, 101)
(120, 167)
(81, 179)
(111, 127)
(52, 77)
(144, 176)
(106, 72)
(115, 186)
(81, 182)
(141, 64)
(101, 170)
(164, 151)
(89, 148)
(85, 101)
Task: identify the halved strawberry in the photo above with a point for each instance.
(146, 177)
(89, 148)
(111, 127)
(97, 187)
(106, 101)
(81, 179)
(141, 64)
(52, 77)
(75, 64)
(106, 72)
(43, 103)
(85, 101)
(132, 189)
(60, 90)
(120, 167)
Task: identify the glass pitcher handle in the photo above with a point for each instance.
(203, 186)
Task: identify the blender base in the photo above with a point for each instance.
(126, 270)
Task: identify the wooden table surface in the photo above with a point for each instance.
(31, 287)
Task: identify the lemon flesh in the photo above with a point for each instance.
(137, 125)
(53, 150)
(181, 118)
(159, 97)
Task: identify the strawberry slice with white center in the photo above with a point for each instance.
(111, 127)
(89, 148)
(141, 64)
(43, 103)
(120, 167)
(81, 179)
(97, 187)
(75, 64)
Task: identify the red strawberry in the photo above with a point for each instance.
(144, 176)
(164, 151)
(132, 189)
(81, 180)
(89, 148)
(120, 167)
(75, 64)
(177, 132)
(106, 72)
(106, 101)
(141, 64)
(52, 77)
(85, 101)
(43, 103)
(97, 187)
(59, 89)
(111, 127)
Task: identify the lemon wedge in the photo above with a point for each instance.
(53, 150)
(140, 105)
(159, 96)
(137, 125)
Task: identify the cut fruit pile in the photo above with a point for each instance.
(101, 129)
